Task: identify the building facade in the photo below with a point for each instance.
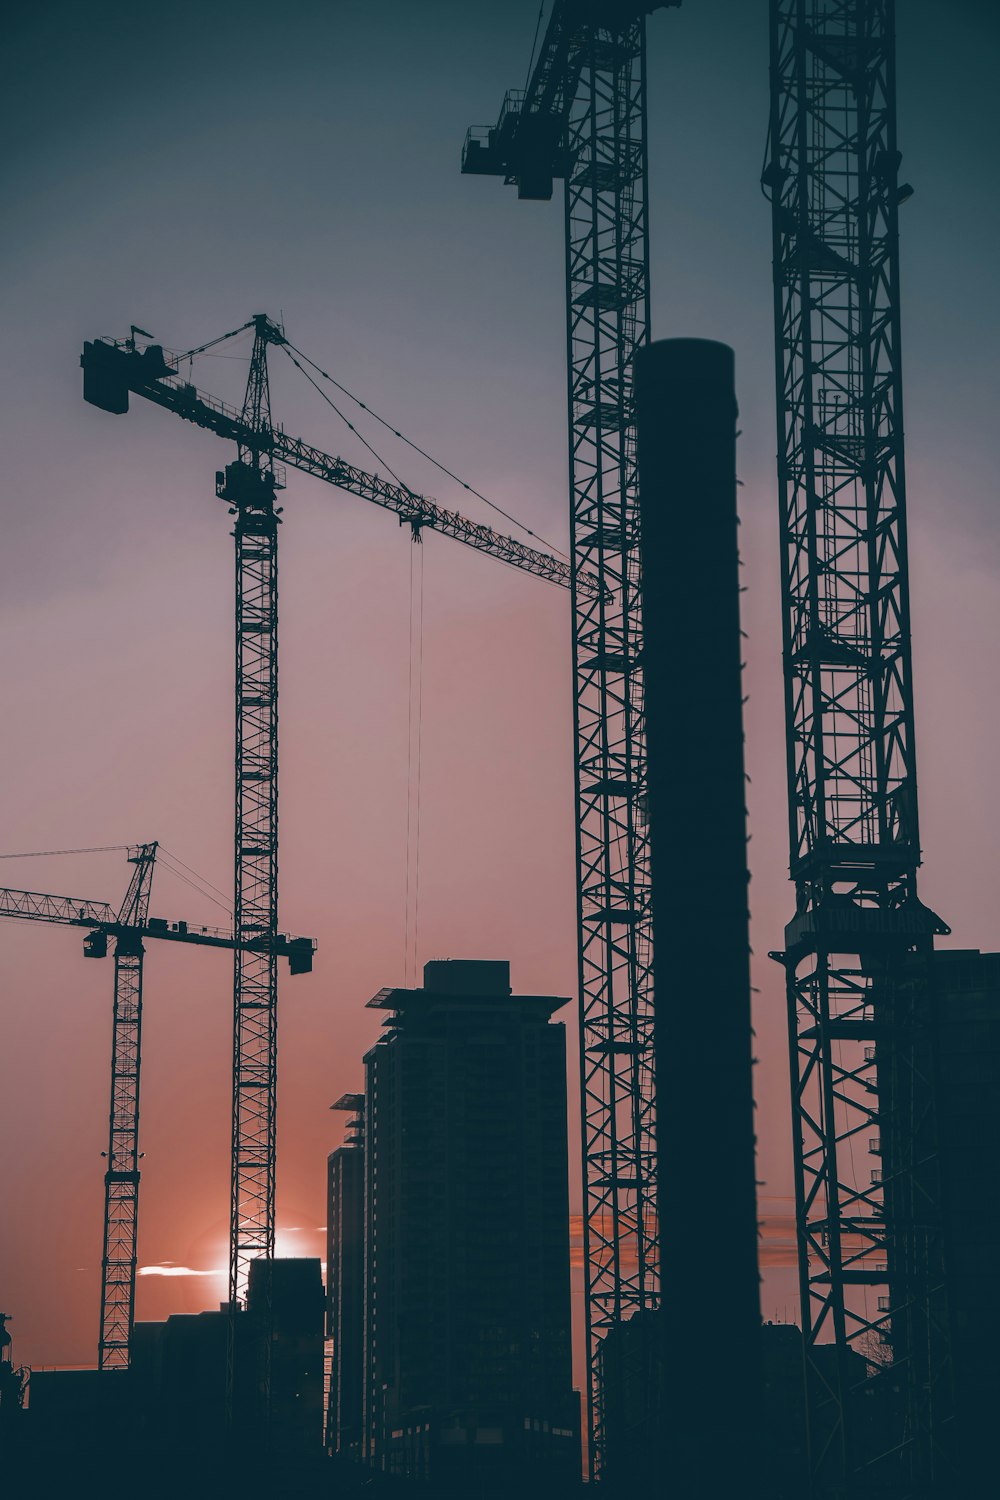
(467, 1350)
(287, 1294)
(967, 995)
(345, 1261)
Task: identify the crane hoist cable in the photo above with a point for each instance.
(202, 887)
(414, 759)
(534, 45)
(44, 853)
(199, 883)
(384, 422)
(222, 339)
(347, 423)
(203, 879)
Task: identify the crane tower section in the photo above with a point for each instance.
(121, 1181)
(608, 318)
(582, 118)
(858, 951)
(249, 485)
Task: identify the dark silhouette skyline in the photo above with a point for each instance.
(71, 573)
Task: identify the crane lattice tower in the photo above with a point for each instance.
(858, 951)
(582, 118)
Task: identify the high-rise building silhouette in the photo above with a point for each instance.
(286, 1295)
(467, 1357)
(345, 1273)
(164, 1419)
(967, 1009)
(631, 1370)
(178, 1373)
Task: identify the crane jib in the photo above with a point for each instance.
(111, 371)
(102, 922)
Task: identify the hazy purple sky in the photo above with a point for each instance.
(183, 167)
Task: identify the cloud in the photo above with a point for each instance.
(170, 1268)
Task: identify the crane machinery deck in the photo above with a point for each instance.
(582, 119)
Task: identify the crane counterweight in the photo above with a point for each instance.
(111, 371)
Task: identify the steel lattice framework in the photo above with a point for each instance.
(858, 952)
(129, 927)
(73, 911)
(608, 317)
(115, 367)
(121, 1181)
(582, 117)
(250, 486)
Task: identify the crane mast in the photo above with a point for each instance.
(858, 953)
(583, 118)
(121, 1181)
(607, 255)
(249, 485)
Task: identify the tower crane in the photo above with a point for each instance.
(121, 1180)
(128, 928)
(858, 953)
(112, 370)
(582, 119)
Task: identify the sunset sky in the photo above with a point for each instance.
(183, 167)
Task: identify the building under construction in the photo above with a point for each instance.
(447, 1304)
(465, 1370)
